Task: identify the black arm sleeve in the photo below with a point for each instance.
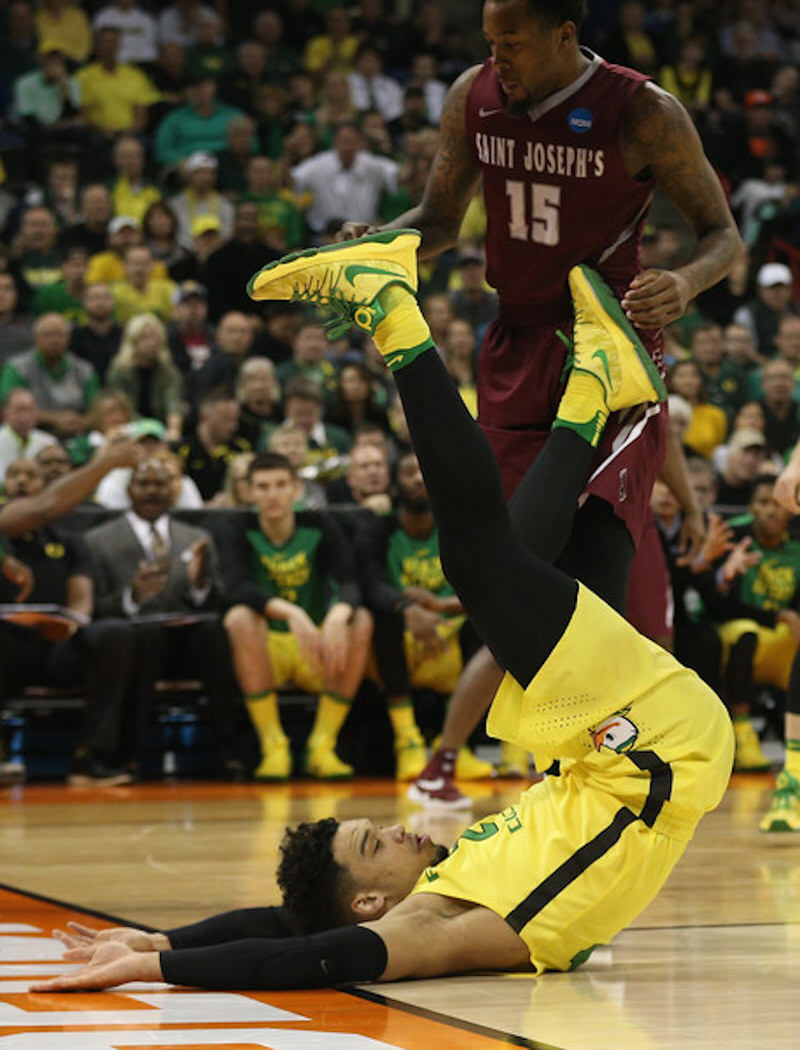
(232, 926)
(372, 539)
(724, 607)
(336, 558)
(351, 953)
(235, 564)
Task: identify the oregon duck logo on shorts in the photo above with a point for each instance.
(616, 733)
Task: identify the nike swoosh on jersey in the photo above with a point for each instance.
(488, 112)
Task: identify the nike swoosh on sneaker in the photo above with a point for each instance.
(431, 785)
(604, 359)
(356, 270)
(488, 112)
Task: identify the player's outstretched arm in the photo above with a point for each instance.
(658, 135)
(420, 938)
(452, 181)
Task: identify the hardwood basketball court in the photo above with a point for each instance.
(713, 962)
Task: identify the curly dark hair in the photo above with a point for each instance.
(312, 883)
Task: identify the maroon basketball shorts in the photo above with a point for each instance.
(651, 603)
(519, 387)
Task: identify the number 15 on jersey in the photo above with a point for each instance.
(542, 223)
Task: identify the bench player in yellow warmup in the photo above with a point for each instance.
(643, 749)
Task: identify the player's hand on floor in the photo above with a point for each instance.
(78, 936)
(110, 964)
(656, 298)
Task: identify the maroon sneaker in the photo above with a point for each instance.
(435, 787)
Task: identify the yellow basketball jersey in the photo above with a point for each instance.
(645, 749)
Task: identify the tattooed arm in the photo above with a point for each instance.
(452, 182)
(658, 137)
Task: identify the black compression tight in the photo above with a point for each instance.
(520, 605)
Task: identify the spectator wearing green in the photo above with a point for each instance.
(281, 222)
(233, 161)
(308, 359)
(201, 124)
(63, 384)
(207, 56)
(65, 297)
(48, 97)
(726, 382)
(35, 259)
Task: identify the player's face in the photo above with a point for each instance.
(527, 51)
(384, 863)
(273, 493)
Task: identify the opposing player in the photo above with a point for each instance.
(570, 151)
(645, 747)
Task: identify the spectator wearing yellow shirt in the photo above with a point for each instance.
(130, 193)
(690, 78)
(108, 267)
(335, 50)
(709, 424)
(114, 95)
(141, 292)
(63, 23)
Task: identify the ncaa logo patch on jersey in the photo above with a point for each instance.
(580, 121)
(617, 734)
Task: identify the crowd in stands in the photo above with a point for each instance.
(153, 156)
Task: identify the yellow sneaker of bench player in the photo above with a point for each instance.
(606, 350)
(345, 278)
(276, 759)
(410, 755)
(784, 809)
(322, 762)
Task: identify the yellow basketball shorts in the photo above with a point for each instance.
(289, 666)
(583, 853)
(772, 663)
(440, 671)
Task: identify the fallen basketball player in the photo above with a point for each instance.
(639, 748)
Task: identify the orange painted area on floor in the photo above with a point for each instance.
(321, 1012)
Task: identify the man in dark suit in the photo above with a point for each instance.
(156, 570)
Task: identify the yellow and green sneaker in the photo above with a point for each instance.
(748, 756)
(344, 278)
(606, 345)
(784, 810)
(322, 762)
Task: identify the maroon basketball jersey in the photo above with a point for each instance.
(556, 189)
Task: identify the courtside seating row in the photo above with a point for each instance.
(38, 725)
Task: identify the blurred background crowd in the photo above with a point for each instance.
(153, 156)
